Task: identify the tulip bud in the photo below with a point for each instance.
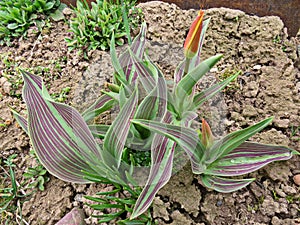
(207, 137)
(192, 40)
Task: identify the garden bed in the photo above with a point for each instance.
(268, 86)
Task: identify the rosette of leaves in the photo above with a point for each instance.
(74, 150)
(17, 15)
(92, 28)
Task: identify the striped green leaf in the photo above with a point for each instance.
(143, 72)
(21, 120)
(101, 105)
(205, 95)
(137, 47)
(186, 84)
(162, 153)
(58, 133)
(116, 135)
(224, 185)
(187, 138)
(99, 130)
(231, 141)
(247, 158)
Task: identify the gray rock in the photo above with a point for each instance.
(75, 217)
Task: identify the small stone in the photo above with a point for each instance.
(213, 70)
(257, 67)
(249, 111)
(75, 217)
(296, 179)
(67, 11)
(282, 123)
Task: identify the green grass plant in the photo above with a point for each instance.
(92, 28)
(16, 16)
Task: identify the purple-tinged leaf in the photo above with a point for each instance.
(248, 157)
(21, 120)
(231, 141)
(119, 75)
(154, 105)
(59, 135)
(144, 73)
(224, 185)
(116, 135)
(187, 118)
(99, 130)
(179, 72)
(207, 94)
(162, 153)
(137, 47)
(101, 105)
(147, 109)
(185, 137)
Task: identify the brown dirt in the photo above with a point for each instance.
(269, 85)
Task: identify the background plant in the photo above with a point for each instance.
(92, 28)
(16, 16)
(11, 192)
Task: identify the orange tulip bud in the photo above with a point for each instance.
(207, 137)
(191, 43)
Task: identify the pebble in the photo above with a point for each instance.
(296, 179)
(257, 67)
(213, 70)
(67, 11)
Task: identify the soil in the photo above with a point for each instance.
(268, 86)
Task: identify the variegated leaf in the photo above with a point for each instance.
(101, 105)
(186, 84)
(207, 94)
(248, 157)
(137, 47)
(21, 120)
(162, 153)
(231, 141)
(185, 137)
(116, 135)
(59, 135)
(224, 185)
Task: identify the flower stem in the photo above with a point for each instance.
(186, 66)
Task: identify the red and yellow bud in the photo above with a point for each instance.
(192, 40)
(207, 137)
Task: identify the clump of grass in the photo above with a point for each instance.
(92, 28)
(16, 16)
(15, 190)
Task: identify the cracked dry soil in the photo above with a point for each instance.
(268, 86)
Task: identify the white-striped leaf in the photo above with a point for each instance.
(231, 141)
(205, 95)
(137, 47)
(162, 153)
(21, 120)
(224, 185)
(59, 135)
(247, 158)
(143, 72)
(187, 138)
(101, 105)
(116, 135)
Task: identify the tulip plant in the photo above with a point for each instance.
(154, 117)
